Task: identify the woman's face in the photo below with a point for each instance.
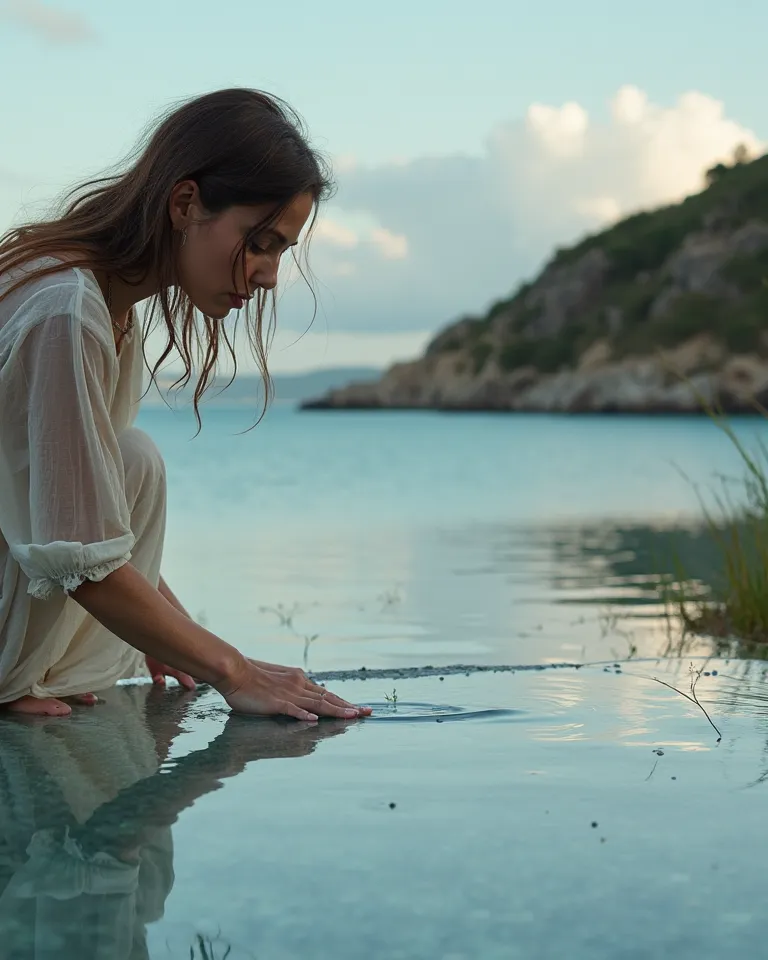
(213, 243)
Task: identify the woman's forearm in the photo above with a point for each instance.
(129, 606)
(171, 597)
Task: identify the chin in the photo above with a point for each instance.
(216, 312)
(211, 309)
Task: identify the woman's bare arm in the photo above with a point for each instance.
(128, 605)
(171, 597)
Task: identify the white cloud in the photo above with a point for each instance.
(344, 162)
(561, 129)
(629, 105)
(56, 25)
(457, 232)
(410, 246)
(392, 246)
(335, 234)
(331, 233)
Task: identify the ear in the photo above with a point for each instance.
(184, 206)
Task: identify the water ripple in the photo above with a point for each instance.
(412, 712)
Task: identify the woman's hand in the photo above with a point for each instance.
(268, 689)
(159, 671)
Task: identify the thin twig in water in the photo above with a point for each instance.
(308, 641)
(693, 698)
(652, 770)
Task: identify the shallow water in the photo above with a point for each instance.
(531, 813)
(481, 582)
(383, 539)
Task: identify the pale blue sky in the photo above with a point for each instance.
(392, 85)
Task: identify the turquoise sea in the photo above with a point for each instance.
(537, 780)
(412, 538)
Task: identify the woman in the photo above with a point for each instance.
(221, 189)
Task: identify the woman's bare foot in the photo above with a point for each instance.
(50, 706)
(37, 707)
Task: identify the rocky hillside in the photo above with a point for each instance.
(650, 315)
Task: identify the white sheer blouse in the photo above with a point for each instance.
(65, 395)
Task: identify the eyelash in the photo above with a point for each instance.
(254, 247)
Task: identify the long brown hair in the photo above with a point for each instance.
(241, 147)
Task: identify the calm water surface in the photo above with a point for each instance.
(391, 538)
(582, 811)
(535, 814)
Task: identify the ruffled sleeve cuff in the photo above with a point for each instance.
(62, 565)
(59, 869)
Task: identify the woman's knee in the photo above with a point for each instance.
(143, 465)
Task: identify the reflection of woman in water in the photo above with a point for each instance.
(86, 859)
(198, 222)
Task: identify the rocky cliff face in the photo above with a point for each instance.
(657, 314)
(637, 385)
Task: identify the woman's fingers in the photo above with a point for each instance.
(292, 710)
(314, 689)
(332, 698)
(324, 708)
(184, 679)
(338, 701)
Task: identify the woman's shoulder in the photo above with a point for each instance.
(64, 291)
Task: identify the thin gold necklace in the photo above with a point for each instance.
(120, 329)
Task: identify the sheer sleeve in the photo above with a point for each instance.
(61, 460)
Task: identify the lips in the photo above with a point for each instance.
(237, 302)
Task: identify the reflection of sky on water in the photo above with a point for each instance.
(483, 593)
(401, 541)
(127, 831)
(425, 538)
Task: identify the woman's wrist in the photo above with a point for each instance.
(229, 671)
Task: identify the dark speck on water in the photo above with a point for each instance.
(594, 824)
(392, 806)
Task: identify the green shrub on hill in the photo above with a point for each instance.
(637, 250)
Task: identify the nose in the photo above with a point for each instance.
(265, 276)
